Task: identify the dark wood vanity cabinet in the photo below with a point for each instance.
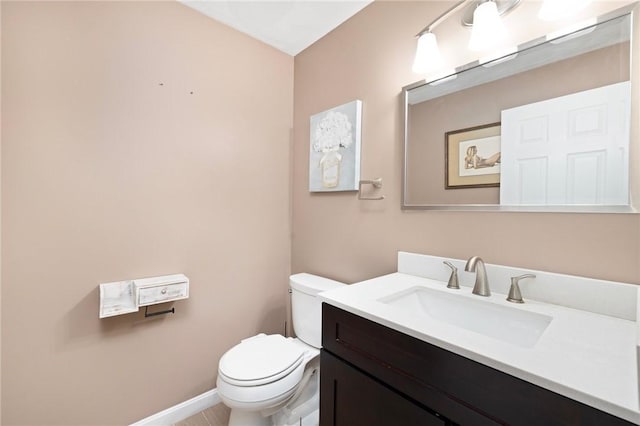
(358, 399)
(372, 375)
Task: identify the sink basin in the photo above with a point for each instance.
(511, 325)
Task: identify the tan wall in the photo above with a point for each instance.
(369, 58)
(108, 175)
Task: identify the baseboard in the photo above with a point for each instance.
(181, 411)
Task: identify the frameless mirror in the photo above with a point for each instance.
(461, 150)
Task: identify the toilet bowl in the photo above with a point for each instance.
(274, 380)
(263, 371)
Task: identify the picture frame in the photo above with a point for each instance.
(334, 148)
(472, 157)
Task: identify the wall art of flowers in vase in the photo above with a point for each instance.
(334, 154)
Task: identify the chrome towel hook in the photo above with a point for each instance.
(377, 184)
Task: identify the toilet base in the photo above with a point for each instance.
(302, 410)
(248, 418)
(253, 418)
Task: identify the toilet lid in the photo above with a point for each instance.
(260, 359)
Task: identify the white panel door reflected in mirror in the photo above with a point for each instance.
(571, 150)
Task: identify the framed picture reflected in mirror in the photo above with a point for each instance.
(472, 157)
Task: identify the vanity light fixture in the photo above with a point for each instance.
(488, 30)
(428, 57)
(487, 33)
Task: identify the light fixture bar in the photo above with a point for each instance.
(504, 7)
(491, 34)
(429, 28)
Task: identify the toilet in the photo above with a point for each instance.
(270, 380)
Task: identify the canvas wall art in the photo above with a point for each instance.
(334, 152)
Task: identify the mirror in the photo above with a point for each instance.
(469, 104)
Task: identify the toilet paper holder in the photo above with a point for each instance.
(376, 183)
(153, 314)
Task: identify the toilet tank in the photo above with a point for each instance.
(306, 308)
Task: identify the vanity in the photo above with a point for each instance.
(405, 349)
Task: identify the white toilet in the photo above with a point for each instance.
(274, 380)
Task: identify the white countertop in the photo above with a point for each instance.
(585, 356)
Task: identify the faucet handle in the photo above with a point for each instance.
(453, 279)
(514, 292)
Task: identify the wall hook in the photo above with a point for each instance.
(377, 183)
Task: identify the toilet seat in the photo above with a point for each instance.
(261, 396)
(260, 360)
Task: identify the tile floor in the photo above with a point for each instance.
(218, 415)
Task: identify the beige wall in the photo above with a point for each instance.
(108, 175)
(369, 58)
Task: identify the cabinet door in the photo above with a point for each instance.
(352, 398)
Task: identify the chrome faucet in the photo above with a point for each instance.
(481, 287)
